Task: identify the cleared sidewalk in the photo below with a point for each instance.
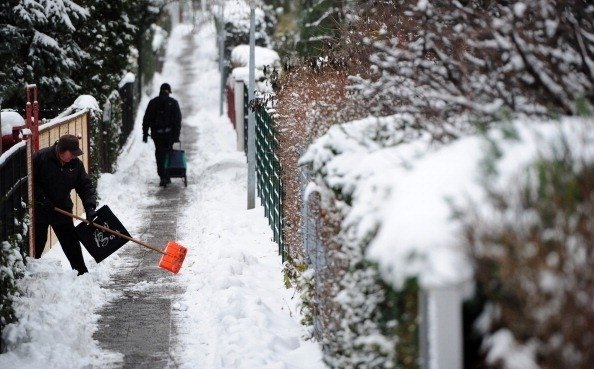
(139, 323)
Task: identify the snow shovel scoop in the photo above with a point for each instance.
(172, 257)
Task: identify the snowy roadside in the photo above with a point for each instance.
(235, 312)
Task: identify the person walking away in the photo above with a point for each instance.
(163, 118)
(57, 170)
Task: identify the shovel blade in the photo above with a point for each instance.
(173, 258)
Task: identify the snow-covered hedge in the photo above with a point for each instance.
(12, 267)
(407, 205)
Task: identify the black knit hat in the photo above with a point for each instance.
(70, 143)
(166, 87)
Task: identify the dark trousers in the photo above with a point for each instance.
(161, 149)
(68, 239)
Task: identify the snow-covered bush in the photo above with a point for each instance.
(12, 268)
(533, 246)
(435, 71)
(521, 195)
(454, 64)
(374, 325)
(110, 133)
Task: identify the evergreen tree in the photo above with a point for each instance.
(50, 53)
(69, 47)
(106, 39)
(12, 39)
(320, 23)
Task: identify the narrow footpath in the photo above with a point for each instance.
(139, 324)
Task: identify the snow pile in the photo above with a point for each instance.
(56, 316)
(159, 39)
(10, 119)
(263, 58)
(240, 57)
(83, 102)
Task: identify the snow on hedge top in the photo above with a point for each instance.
(406, 190)
(240, 56)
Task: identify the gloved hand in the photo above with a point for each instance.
(91, 214)
(144, 138)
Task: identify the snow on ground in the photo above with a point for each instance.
(235, 312)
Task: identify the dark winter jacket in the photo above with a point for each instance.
(54, 182)
(163, 117)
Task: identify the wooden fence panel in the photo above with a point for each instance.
(49, 133)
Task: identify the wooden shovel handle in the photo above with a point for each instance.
(110, 231)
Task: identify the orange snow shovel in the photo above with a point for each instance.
(172, 257)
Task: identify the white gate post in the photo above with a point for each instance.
(239, 119)
(441, 328)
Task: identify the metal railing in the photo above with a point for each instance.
(268, 174)
(13, 190)
(245, 119)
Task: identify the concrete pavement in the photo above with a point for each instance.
(139, 323)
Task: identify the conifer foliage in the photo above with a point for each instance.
(105, 34)
(68, 47)
(454, 63)
(44, 52)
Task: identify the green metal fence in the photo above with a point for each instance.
(268, 177)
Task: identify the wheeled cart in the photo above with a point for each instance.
(175, 164)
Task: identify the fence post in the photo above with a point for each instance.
(239, 118)
(251, 180)
(441, 327)
(32, 114)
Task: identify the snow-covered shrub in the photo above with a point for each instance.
(12, 267)
(107, 136)
(455, 64)
(374, 324)
(319, 23)
(533, 246)
(309, 100)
